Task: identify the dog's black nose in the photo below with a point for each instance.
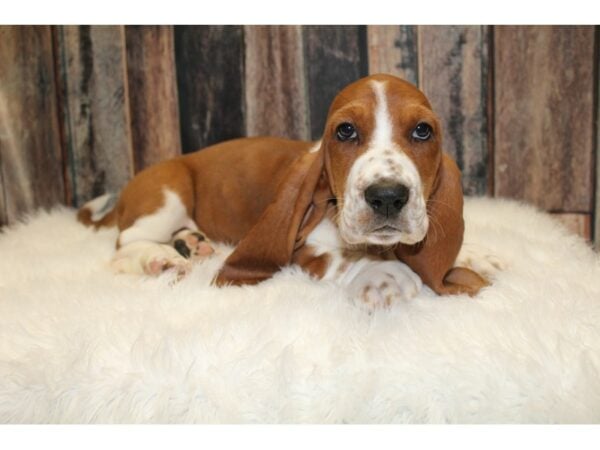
(387, 199)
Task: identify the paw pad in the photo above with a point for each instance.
(190, 244)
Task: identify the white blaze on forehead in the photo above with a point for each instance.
(382, 135)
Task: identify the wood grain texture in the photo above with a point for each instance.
(95, 109)
(210, 63)
(544, 115)
(152, 84)
(30, 147)
(334, 56)
(596, 210)
(580, 224)
(394, 49)
(275, 89)
(453, 74)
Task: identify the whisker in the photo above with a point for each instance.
(439, 202)
(436, 225)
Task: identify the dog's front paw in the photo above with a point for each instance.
(379, 284)
(159, 264)
(150, 258)
(480, 260)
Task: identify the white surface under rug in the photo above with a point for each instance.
(79, 344)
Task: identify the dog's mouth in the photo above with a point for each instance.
(385, 235)
(389, 234)
(386, 230)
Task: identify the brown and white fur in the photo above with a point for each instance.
(300, 202)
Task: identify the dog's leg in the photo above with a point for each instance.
(149, 258)
(162, 240)
(379, 284)
(481, 260)
(373, 279)
(157, 232)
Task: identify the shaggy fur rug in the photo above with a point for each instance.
(79, 344)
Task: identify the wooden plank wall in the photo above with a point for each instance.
(152, 85)
(544, 128)
(82, 108)
(275, 88)
(210, 81)
(30, 150)
(335, 57)
(94, 110)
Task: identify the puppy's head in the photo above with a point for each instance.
(382, 150)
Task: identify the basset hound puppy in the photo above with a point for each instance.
(375, 204)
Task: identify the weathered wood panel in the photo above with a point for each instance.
(210, 63)
(30, 148)
(335, 56)
(152, 85)
(543, 150)
(275, 85)
(95, 109)
(580, 224)
(394, 49)
(596, 206)
(453, 74)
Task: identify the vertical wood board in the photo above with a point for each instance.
(543, 149)
(274, 83)
(92, 76)
(152, 86)
(30, 146)
(335, 56)
(596, 206)
(210, 64)
(393, 49)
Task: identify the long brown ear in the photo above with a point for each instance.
(433, 258)
(299, 205)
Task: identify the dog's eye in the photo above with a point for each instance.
(346, 132)
(422, 132)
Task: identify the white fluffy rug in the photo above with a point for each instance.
(79, 344)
